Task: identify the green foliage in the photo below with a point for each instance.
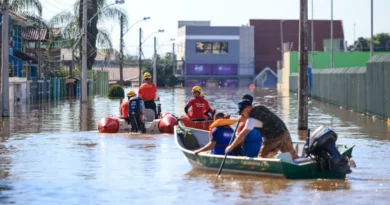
(165, 70)
(116, 91)
(381, 43)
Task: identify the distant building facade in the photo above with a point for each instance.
(214, 55)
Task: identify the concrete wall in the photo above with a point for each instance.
(362, 89)
(246, 66)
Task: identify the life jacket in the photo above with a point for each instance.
(252, 143)
(125, 109)
(221, 122)
(273, 126)
(134, 107)
(147, 91)
(198, 107)
(224, 135)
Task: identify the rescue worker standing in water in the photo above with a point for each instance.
(200, 107)
(124, 109)
(148, 93)
(136, 114)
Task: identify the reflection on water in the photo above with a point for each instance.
(51, 153)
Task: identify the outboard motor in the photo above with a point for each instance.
(322, 145)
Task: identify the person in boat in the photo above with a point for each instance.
(209, 115)
(124, 109)
(136, 114)
(148, 93)
(200, 107)
(273, 130)
(250, 145)
(221, 135)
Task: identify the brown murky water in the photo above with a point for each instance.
(51, 153)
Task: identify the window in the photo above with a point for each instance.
(212, 47)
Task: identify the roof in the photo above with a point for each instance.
(20, 20)
(35, 34)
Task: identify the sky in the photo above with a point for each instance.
(165, 14)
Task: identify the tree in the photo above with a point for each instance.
(25, 7)
(381, 43)
(71, 23)
(165, 70)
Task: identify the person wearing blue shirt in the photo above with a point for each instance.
(136, 114)
(220, 138)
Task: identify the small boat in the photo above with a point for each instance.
(202, 125)
(189, 139)
(115, 124)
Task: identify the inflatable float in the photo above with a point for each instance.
(114, 124)
(202, 125)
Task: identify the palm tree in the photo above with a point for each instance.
(31, 7)
(71, 25)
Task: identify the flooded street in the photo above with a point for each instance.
(51, 153)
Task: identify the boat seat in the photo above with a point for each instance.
(302, 160)
(150, 115)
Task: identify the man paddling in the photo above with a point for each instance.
(273, 130)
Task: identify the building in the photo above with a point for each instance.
(269, 35)
(214, 55)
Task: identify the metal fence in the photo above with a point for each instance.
(363, 89)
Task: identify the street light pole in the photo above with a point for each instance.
(139, 57)
(121, 55)
(155, 62)
(312, 34)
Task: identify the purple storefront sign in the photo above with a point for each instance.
(225, 69)
(198, 69)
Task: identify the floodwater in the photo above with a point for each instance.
(51, 153)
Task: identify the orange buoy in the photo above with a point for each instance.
(108, 125)
(252, 86)
(167, 122)
(388, 121)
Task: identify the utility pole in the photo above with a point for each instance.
(155, 62)
(121, 56)
(303, 76)
(84, 96)
(331, 35)
(139, 58)
(312, 34)
(5, 62)
(372, 29)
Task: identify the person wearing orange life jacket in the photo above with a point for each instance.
(200, 107)
(124, 108)
(148, 93)
(209, 115)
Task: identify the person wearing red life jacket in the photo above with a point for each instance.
(199, 106)
(148, 93)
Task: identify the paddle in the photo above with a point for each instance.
(224, 159)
